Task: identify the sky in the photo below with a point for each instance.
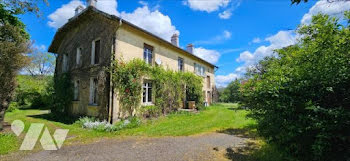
(232, 34)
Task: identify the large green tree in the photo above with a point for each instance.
(13, 46)
(301, 99)
(231, 92)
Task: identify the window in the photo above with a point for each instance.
(93, 91)
(181, 64)
(147, 54)
(208, 81)
(199, 69)
(147, 92)
(78, 57)
(76, 90)
(65, 63)
(95, 52)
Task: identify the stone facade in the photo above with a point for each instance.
(118, 38)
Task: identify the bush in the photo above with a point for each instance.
(150, 111)
(12, 107)
(301, 99)
(92, 123)
(32, 91)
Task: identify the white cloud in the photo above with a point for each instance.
(336, 8)
(226, 14)
(207, 5)
(225, 35)
(279, 40)
(256, 40)
(67, 11)
(61, 15)
(152, 21)
(223, 80)
(212, 56)
(108, 6)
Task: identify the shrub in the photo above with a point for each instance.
(32, 91)
(301, 98)
(12, 107)
(92, 123)
(150, 111)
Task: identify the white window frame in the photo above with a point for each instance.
(76, 90)
(93, 91)
(199, 69)
(78, 56)
(147, 50)
(146, 85)
(93, 51)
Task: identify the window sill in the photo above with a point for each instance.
(147, 103)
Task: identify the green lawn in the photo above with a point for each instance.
(214, 118)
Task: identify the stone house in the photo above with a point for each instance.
(89, 42)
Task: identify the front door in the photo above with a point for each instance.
(208, 97)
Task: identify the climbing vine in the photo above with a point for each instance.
(171, 88)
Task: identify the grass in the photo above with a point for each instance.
(215, 118)
(9, 143)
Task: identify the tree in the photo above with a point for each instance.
(302, 99)
(231, 93)
(13, 46)
(42, 63)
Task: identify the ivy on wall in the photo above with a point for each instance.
(171, 88)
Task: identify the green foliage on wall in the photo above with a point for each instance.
(301, 99)
(170, 88)
(62, 94)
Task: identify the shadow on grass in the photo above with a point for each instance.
(254, 149)
(66, 119)
(246, 132)
(242, 153)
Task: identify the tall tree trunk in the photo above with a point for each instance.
(3, 107)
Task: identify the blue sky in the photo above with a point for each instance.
(233, 34)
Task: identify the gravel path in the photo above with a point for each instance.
(202, 147)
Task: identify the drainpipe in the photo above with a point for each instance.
(111, 85)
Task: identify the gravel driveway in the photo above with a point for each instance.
(202, 147)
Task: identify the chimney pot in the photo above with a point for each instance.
(92, 3)
(175, 40)
(190, 48)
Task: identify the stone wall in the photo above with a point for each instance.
(82, 36)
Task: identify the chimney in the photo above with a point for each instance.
(78, 9)
(91, 3)
(190, 48)
(175, 40)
